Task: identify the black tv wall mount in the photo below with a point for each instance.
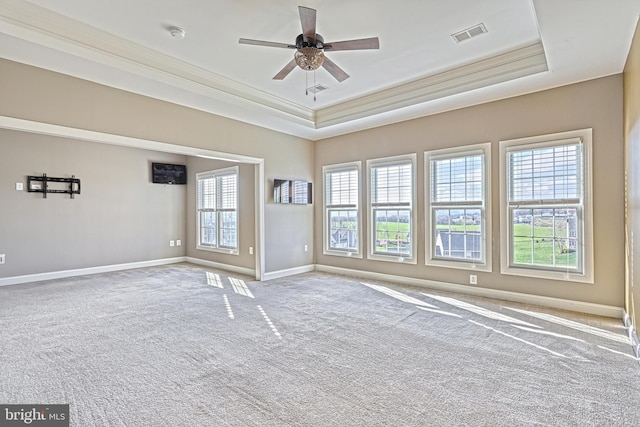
(40, 184)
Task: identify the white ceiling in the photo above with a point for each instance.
(419, 69)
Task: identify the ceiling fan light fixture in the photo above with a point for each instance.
(310, 48)
(309, 58)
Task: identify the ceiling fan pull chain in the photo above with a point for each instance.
(306, 84)
(314, 86)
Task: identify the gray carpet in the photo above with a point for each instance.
(182, 345)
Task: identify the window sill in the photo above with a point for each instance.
(547, 274)
(218, 250)
(391, 258)
(345, 254)
(459, 265)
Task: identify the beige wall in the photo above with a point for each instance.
(119, 217)
(632, 169)
(595, 104)
(43, 96)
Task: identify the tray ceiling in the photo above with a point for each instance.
(420, 68)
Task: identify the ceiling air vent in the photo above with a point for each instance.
(463, 35)
(316, 88)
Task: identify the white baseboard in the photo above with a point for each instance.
(288, 272)
(220, 266)
(28, 278)
(563, 304)
(633, 336)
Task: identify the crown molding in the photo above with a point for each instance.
(43, 27)
(46, 28)
(520, 62)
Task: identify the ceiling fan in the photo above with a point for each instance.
(310, 47)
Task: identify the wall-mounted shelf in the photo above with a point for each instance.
(40, 184)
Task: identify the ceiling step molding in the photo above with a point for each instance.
(47, 28)
(520, 62)
(40, 26)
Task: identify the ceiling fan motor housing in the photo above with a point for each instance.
(309, 42)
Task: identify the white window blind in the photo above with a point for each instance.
(546, 174)
(341, 189)
(457, 179)
(392, 184)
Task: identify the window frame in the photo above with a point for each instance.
(431, 259)
(337, 168)
(216, 175)
(585, 274)
(371, 232)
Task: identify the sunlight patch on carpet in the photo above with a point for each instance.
(631, 356)
(575, 325)
(399, 295)
(228, 306)
(553, 334)
(214, 280)
(479, 310)
(239, 287)
(269, 322)
(446, 313)
(519, 339)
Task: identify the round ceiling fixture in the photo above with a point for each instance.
(309, 58)
(177, 32)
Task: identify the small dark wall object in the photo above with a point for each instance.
(292, 191)
(40, 184)
(165, 173)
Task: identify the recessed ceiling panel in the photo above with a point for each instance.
(210, 70)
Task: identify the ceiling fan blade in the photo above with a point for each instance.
(334, 70)
(286, 70)
(370, 43)
(308, 20)
(265, 43)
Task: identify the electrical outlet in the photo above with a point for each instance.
(473, 279)
(19, 186)
(178, 242)
(2, 256)
(306, 248)
(172, 243)
(250, 250)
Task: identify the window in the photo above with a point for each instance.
(391, 201)
(458, 215)
(342, 209)
(546, 212)
(217, 201)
